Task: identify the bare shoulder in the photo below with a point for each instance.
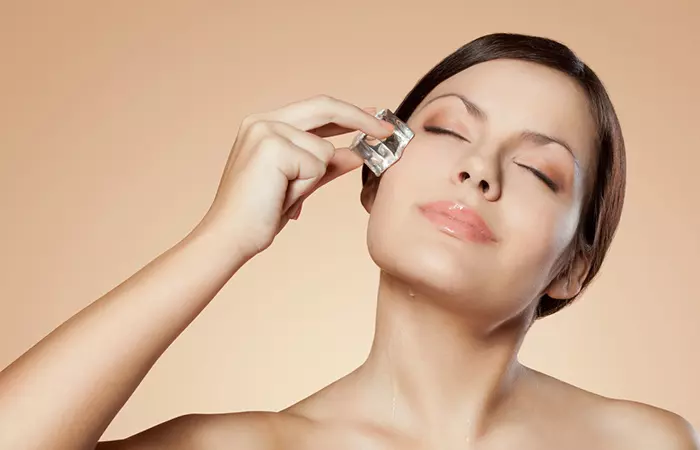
(613, 423)
(637, 425)
(609, 423)
(245, 431)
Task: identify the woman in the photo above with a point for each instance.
(500, 212)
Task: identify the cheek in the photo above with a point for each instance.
(409, 182)
(390, 203)
(402, 182)
(537, 232)
(426, 162)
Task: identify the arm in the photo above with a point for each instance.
(71, 384)
(64, 392)
(246, 431)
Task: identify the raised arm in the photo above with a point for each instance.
(64, 391)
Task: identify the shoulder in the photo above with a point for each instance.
(613, 423)
(637, 425)
(245, 431)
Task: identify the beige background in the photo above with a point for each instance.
(117, 118)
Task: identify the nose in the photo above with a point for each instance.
(482, 173)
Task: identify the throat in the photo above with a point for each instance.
(430, 371)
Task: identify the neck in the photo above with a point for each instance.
(430, 367)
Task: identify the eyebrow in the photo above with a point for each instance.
(471, 107)
(527, 135)
(543, 139)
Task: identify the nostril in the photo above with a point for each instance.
(463, 177)
(484, 185)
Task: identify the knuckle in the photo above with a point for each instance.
(319, 169)
(328, 149)
(325, 99)
(249, 120)
(259, 128)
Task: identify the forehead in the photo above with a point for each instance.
(519, 95)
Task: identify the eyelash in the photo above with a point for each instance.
(438, 130)
(542, 177)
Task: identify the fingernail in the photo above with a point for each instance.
(370, 110)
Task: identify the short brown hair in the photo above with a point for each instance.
(603, 207)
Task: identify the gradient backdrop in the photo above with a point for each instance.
(117, 116)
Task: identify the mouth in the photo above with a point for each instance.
(458, 221)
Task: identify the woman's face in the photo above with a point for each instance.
(487, 196)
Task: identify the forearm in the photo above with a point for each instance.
(65, 391)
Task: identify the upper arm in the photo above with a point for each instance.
(245, 431)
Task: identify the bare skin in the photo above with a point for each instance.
(443, 370)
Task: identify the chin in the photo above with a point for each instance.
(434, 270)
(463, 281)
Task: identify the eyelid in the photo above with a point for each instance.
(539, 174)
(440, 130)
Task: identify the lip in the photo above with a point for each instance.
(459, 221)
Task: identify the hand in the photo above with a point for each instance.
(278, 159)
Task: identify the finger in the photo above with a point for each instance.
(303, 170)
(317, 146)
(318, 111)
(332, 129)
(344, 161)
(295, 210)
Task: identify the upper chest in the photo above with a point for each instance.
(549, 438)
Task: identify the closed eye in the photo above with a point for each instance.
(438, 130)
(544, 178)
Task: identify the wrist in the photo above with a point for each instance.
(221, 243)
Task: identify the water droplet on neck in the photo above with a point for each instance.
(411, 293)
